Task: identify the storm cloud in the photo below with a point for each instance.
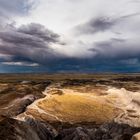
(104, 23)
(29, 42)
(46, 35)
(116, 49)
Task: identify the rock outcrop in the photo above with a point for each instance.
(30, 129)
(12, 129)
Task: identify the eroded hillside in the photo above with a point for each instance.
(96, 107)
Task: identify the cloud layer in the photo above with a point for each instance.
(28, 43)
(100, 36)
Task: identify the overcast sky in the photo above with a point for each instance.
(69, 36)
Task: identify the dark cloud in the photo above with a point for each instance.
(39, 31)
(97, 25)
(117, 55)
(116, 49)
(31, 43)
(29, 48)
(32, 35)
(103, 23)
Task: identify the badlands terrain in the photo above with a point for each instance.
(70, 107)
